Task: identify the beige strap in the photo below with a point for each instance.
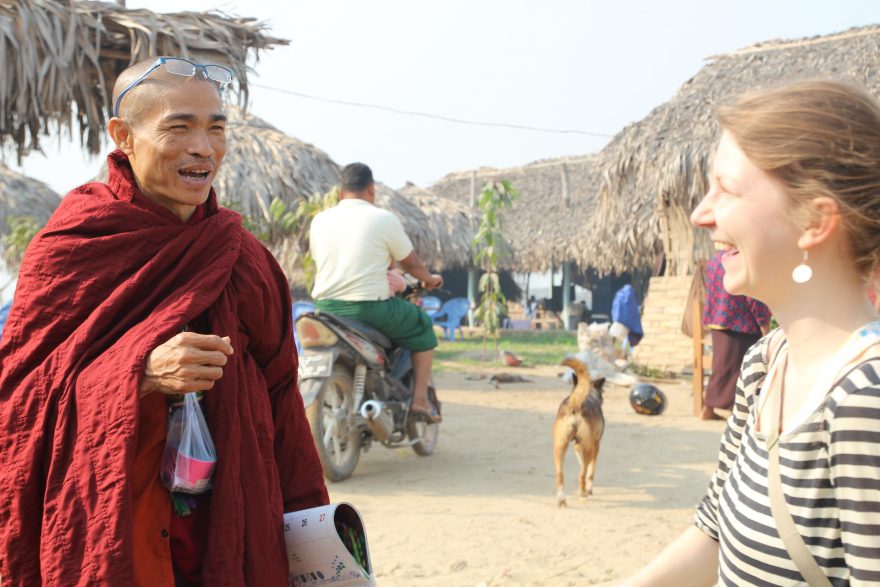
(788, 532)
(791, 538)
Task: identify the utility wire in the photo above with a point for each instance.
(434, 116)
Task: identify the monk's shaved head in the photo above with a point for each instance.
(140, 99)
(172, 129)
(133, 105)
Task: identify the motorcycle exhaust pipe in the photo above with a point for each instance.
(378, 419)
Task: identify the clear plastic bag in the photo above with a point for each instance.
(189, 457)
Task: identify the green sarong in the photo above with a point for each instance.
(405, 324)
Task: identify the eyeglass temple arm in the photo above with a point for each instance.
(133, 84)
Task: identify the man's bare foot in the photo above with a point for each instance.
(428, 412)
(709, 414)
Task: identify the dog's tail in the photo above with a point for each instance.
(580, 369)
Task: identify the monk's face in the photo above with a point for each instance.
(177, 143)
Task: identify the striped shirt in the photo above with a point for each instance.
(830, 468)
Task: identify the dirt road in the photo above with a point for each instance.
(482, 510)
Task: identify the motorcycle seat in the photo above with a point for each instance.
(371, 333)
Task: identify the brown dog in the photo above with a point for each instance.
(579, 419)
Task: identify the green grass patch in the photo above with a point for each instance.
(535, 347)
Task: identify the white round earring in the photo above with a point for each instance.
(802, 273)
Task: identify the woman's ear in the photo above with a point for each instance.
(823, 221)
(120, 132)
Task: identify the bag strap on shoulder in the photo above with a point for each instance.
(788, 532)
(791, 538)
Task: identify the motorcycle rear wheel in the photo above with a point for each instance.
(334, 429)
(423, 434)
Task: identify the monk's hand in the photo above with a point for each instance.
(186, 363)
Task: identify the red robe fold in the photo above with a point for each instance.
(110, 277)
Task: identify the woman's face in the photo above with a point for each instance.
(749, 217)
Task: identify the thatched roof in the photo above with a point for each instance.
(61, 59)
(263, 163)
(23, 196)
(449, 225)
(658, 166)
(550, 222)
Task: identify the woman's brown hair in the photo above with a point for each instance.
(818, 138)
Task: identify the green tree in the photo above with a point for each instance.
(491, 248)
(306, 210)
(277, 225)
(22, 230)
(283, 223)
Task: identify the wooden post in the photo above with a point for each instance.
(697, 322)
(566, 293)
(472, 272)
(566, 267)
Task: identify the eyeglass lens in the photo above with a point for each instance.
(181, 67)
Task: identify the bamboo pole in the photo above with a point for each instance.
(472, 272)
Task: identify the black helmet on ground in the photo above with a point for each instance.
(647, 399)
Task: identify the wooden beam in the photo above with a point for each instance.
(472, 272)
(697, 328)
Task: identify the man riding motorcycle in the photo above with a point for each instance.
(353, 245)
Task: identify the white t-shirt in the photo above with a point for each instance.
(353, 244)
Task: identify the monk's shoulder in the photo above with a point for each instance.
(254, 256)
(84, 202)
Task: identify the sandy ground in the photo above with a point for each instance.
(482, 511)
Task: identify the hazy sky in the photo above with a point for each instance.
(562, 64)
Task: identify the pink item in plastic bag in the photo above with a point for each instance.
(189, 457)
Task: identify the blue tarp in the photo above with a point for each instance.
(4, 312)
(625, 309)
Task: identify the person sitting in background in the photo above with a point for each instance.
(736, 323)
(531, 307)
(794, 204)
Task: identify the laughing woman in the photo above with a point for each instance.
(794, 200)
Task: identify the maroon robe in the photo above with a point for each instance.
(110, 277)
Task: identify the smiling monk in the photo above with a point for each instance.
(136, 290)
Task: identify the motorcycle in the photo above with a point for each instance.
(357, 387)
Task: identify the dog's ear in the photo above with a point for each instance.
(599, 383)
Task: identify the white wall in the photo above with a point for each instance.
(540, 286)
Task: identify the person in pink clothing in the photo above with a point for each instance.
(736, 323)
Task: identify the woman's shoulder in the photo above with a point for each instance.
(759, 356)
(856, 393)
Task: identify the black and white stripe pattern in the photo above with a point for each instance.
(830, 468)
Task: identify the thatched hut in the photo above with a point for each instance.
(61, 59)
(451, 231)
(550, 219)
(263, 163)
(24, 197)
(656, 169)
(550, 226)
(21, 197)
